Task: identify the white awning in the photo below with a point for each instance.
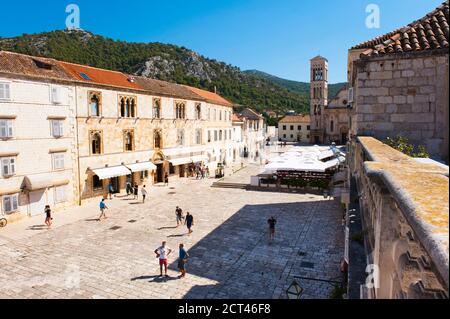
(139, 167)
(108, 172)
(180, 161)
(199, 158)
(42, 181)
(326, 154)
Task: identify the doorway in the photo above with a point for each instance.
(316, 140)
(115, 184)
(159, 176)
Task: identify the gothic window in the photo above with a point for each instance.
(94, 103)
(128, 138)
(198, 111)
(127, 106)
(198, 136)
(96, 142)
(180, 137)
(156, 108)
(157, 139)
(180, 110)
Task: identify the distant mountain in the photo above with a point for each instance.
(162, 61)
(294, 86)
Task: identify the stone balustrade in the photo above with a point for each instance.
(404, 209)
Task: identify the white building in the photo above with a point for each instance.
(37, 136)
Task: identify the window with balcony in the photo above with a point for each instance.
(8, 165)
(156, 108)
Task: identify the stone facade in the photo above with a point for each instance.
(405, 231)
(403, 95)
(295, 128)
(336, 119)
(318, 98)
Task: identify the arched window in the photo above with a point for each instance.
(331, 126)
(127, 106)
(94, 104)
(128, 140)
(156, 108)
(158, 139)
(180, 110)
(198, 111)
(96, 143)
(180, 137)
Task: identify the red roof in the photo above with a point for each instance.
(305, 118)
(210, 96)
(99, 76)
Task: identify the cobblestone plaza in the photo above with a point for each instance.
(81, 257)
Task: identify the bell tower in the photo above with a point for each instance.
(318, 98)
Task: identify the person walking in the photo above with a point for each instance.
(48, 216)
(179, 215)
(110, 190)
(144, 193)
(162, 253)
(166, 179)
(136, 191)
(102, 209)
(207, 172)
(128, 188)
(189, 222)
(272, 222)
(182, 261)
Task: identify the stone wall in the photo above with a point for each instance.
(404, 208)
(404, 95)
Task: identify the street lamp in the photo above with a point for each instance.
(294, 291)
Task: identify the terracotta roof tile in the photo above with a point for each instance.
(98, 76)
(236, 118)
(22, 64)
(429, 33)
(305, 118)
(166, 88)
(251, 114)
(210, 96)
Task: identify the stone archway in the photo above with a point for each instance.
(159, 159)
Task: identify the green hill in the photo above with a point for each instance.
(165, 62)
(294, 86)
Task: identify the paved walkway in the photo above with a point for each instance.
(231, 258)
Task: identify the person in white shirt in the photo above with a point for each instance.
(144, 193)
(162, 253)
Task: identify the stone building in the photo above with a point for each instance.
(254, 135)
(398, 213)
(295, 128)
(400, 84)
(37, 136)
(336, 118)
(70, 131)
(318, 98)
(329, 119)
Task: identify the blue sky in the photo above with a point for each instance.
(278, 37)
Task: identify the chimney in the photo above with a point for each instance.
(215, 89)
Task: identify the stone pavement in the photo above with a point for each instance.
(230, 254)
